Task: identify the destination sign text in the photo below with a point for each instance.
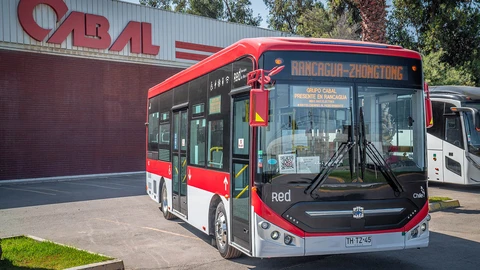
(349, 70)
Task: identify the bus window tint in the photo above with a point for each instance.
(197, 142)
(473, 136)
(453, 130)
(153, 121)
(215, 144)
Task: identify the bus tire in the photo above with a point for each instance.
(164, 206)
(221, 234)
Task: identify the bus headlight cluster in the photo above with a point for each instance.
(414, 232)
(287, 239)
(275, 235)
(419, 230)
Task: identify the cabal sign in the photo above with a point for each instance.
(89, 30)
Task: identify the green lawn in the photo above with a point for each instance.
(438, 199)
(26, 253)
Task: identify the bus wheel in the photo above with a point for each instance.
(221, 235)
(164, 201)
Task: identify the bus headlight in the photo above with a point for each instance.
(287, 239)
(423, 227)
(265, 225)
(414, 232)
(275, 235)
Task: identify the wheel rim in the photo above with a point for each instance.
(221, 230)
(164, 199)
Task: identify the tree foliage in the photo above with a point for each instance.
(311, 19)
(440, 73)
(448, 28)
(238, 11)
(284, 15)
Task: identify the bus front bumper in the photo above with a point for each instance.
(267, 246)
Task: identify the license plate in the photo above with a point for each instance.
(358, 241)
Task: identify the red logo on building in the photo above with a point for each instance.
(88, 30)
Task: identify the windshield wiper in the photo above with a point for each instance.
(376, 157)
(372, 152)
(331, 164)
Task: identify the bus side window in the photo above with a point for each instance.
(153, 124)
(453, 131)
(215, 144)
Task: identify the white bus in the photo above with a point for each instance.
(454, 139)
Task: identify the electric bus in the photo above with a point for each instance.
(294, 146)
(454, 139)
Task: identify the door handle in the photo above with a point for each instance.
(245, 231)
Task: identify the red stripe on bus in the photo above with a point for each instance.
(190, 56)
(268, 214)
(196, 47)
(209, 180)
(158, 167)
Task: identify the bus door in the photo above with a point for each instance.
(240, 176)
(179, 161)
(453, 150)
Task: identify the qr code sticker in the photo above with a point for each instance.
(287, 163)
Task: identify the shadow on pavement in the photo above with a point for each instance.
(444, 252)
(35, 194)
(446, 186)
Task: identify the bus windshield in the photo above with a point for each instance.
(473, 136)
(313, 126)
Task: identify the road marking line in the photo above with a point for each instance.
(91, 185)
(28, 190)
(122, 185)
(50, 189)
(149, 228)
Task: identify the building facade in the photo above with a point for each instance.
(74, 77)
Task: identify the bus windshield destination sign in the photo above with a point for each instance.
(349, 70)
(326, 97)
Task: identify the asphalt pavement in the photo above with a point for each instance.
(114, 216)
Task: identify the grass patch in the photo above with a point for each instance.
(26, 253)
(438, 199)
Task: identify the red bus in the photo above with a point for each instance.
(294, 146)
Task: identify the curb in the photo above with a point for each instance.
(437, 206)
(114, 264)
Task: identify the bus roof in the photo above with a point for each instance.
(458, 92)
(257, 46)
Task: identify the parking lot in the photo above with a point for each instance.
(114, 216)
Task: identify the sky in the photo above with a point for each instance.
(257, 5)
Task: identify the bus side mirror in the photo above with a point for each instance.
(258, 108)
(428, 107)
(475, 115)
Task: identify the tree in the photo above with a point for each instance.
(450, 26)
(239, 11)
(229, 10)
(284, 14)
(374, 19)
(441, 73)
(161, 4)
(322, 23)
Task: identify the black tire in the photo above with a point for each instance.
(221, 234)
(164, 206)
